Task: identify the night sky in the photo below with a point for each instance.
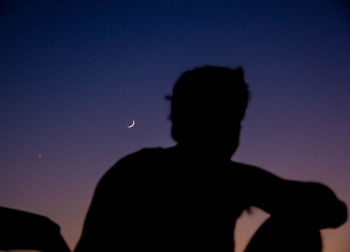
(74, 75)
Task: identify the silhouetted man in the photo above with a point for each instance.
(188, 197)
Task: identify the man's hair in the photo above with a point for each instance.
(205, 96)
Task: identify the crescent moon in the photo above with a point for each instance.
(132, 124)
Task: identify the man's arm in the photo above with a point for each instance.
(108, 223)
(307, 202)
(97, 226)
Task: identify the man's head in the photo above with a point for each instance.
(207, 106)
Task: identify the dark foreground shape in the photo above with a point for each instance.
(276, 235)
(23, 230)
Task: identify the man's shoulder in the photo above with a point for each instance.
(136, 160)
(141, 155)
(243, 166)
(248, 169)
(130, 167)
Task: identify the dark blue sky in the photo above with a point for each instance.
(74, 74)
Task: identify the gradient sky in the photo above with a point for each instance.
(74, 74)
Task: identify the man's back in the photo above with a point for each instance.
(167, 199)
